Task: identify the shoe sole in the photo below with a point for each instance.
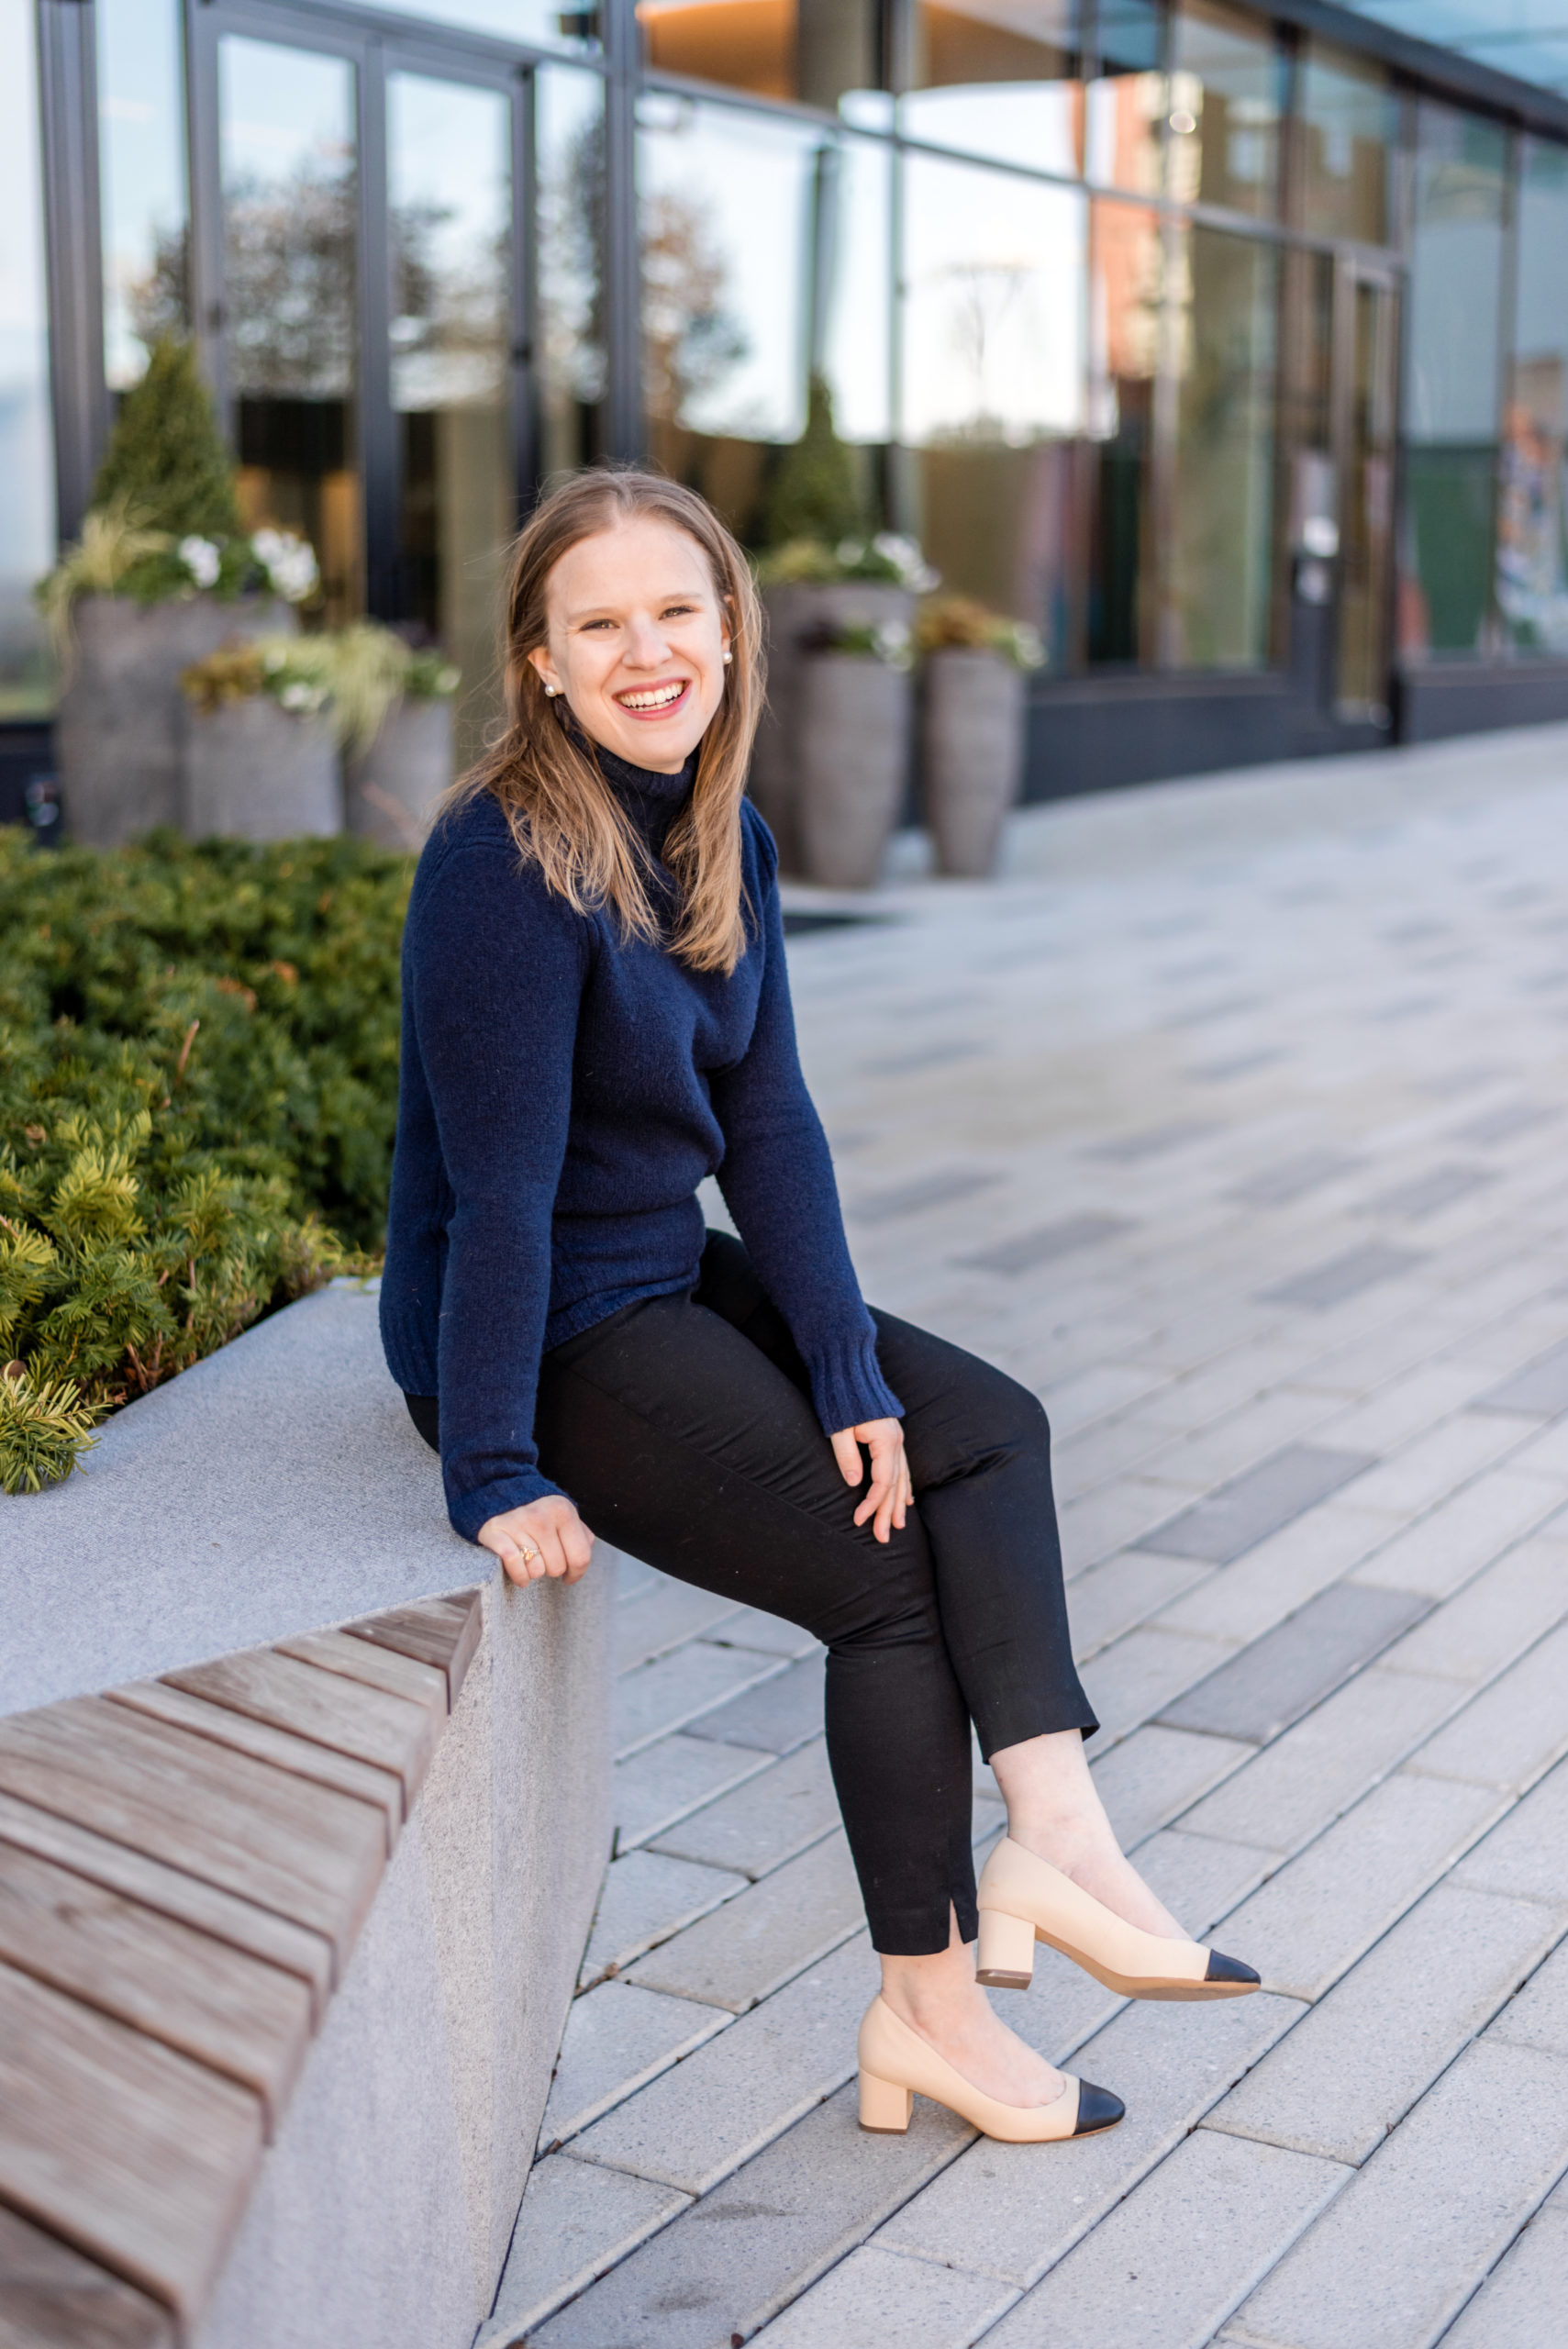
(1125, 1985)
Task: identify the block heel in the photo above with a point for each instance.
(884, 2107)
(1005, 1960)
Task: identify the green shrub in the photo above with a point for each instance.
(166, 460)
(198, 1080)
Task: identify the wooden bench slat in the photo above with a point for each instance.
(302, 1756)
(239, 1924)
(377, 1668)
(364, 1724)
(141, 2158)
(441, 1632)
(233, 2013)
(50, 2294)
(309, 1853)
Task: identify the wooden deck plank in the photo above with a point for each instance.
(309, 1853)
(141, 2158)
(239, 1924)
(379, 1668)
(341, 1716)
(444, 1632)
(283, 1748)
(51, 2297)
(232, 2013)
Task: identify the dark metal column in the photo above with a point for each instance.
(623, 424)
(68, 92)
(378, 426)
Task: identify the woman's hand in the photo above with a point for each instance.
(890, 1493)
(547, 1537)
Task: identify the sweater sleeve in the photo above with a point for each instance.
(777, 1181)
(495, 971)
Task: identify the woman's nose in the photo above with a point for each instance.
(646, 644)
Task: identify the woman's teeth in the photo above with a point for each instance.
(656, 697)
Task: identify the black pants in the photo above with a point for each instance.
(682, 1429)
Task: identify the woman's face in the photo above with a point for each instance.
(638, 641)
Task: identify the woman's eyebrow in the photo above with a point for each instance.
(612, 611)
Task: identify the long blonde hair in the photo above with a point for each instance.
(564, 817)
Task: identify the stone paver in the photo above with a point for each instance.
(1231, 1124)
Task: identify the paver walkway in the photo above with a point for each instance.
(1232, 1122)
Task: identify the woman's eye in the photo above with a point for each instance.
(679, 611)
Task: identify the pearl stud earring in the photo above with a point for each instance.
(552, 691)
(727, 658)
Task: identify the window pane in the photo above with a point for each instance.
(27, 439)
(1127, 275)
(727, 204)
(1000, 78)
(1533, 525)
(449, 185)
(856, 329)
(568, 138)
(538, 22)
(819, 51)
(1451, 381)
(142, 171)
(1125, 125)
(290, 197)
(993, 379)
(1350, 123)
(1225, 91)
(1222, 344)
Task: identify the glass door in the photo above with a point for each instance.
(1366, 362)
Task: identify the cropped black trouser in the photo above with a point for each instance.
(682, 1429)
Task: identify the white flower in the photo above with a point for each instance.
(289, 563)
(296, 696)
(202, 559)
(904, 556)
(850, 552)
(449, 680)
(1030, 648)
(894, 643)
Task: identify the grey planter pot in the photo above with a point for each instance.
(119, 732)
(793, 614)
(392, 789)
(256, 772)
(972, 755)
(854, 715)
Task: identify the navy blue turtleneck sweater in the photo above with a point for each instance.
(564, 1092)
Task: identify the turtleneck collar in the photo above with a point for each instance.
(652, 799)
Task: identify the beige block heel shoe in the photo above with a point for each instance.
(1024, 1899)
(898, 2065)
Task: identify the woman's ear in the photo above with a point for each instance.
(545, 668)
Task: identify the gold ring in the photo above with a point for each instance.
(529, 1551)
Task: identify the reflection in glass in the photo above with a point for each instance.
(569, 164)
(1451, 397)
(1126, 278)
(449, 185)
(852, 323)
(1532, 519)
(999, 77)
(1367, 508)
(1227, 85)
(818, 52)
(1222, 336)
(538, 22)
(290, 192)
(1308, 478)
(1348, 124)
(1127, 103)
(992, 375)
(26, 439)
(141, 172)
(727, 291)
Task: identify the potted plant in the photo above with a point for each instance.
(972, 735)
(807, 586)
(261, 742)
(396, 768)
(853, 697)
(161, 575)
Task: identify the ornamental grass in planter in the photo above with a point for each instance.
(198, 1085)
(161, 575)
(971, 731)
(853, 697)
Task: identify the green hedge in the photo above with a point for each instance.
(198, 1087)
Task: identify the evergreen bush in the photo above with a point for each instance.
(816, 492)
(166, 462)
(198, 1079)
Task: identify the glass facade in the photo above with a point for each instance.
(1209, 349)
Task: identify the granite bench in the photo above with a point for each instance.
(299, 1846)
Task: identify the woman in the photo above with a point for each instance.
(597, 1017)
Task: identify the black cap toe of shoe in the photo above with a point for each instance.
(1097, 2109)
(1230, 1969)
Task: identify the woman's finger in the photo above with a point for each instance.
(847, 1452)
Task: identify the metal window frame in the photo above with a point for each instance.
(73, 252)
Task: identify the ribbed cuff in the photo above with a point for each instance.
(847, 1385)
(468, 1511)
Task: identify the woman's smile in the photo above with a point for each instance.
(662, 700)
